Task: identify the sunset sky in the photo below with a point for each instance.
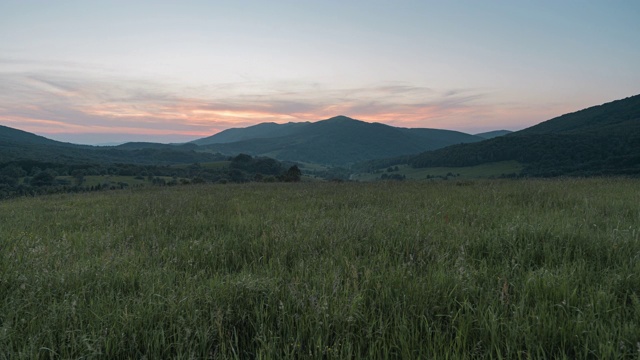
(171, 71)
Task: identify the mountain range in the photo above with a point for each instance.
(336, 141)
(599, 140)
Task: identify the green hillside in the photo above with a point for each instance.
(493, 134)
(259, 131)
(10, 135)
(18, 145)
(337, 141)
(602, 140)
(613, 118)
(150, 145)
(437, 138)
(341, 141)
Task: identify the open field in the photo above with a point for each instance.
(477, 269)
(488, 170)
(111, 180)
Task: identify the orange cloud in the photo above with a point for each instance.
(38, 125)
(49, 105)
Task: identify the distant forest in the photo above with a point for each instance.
(601, 140)
(545, 155)
(31, 177)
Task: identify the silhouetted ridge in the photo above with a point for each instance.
(339, 140)
(11, 135)
(18, 145)
(600, 140)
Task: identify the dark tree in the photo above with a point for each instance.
(242, 158)
(78, 175)
(13, 171)
(8, 180)
(43, 178)
(293, 174)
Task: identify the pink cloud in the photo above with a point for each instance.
(47, 104)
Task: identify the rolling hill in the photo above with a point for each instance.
(10, 135)
(336, 141)
(21, 145)
(18, 145)
(259, 131)
(600, 140)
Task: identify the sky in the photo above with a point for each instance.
(97, 72)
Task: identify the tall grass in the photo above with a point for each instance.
(487, 269)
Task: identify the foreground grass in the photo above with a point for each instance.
(503, 269)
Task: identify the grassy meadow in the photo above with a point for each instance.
(526, 269)
(488, 170)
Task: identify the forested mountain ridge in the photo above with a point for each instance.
(600, 140)
(493, 134)
(16, 136)
(336, 141)
(259, 131)
(18, 145)
(607, 119)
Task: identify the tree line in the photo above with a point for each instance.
(546, 155)
(31, 177)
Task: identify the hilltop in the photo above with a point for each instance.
(336, 141)
(599, 140)
(10, 135)
(259, 131)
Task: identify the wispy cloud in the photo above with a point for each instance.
(75, 103)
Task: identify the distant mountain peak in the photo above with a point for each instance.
(339, 140)
(341, 118)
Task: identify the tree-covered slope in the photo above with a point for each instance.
(342, 140)
(492, 134)
(607, 119)
(15, 136)
(603, 139)
(437, 138)
(151, 145)
(259, 131)
(17, 145)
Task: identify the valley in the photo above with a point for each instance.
(520, 245)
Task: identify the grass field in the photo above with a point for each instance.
(114, 180)
(482, 269)
(468, 172)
